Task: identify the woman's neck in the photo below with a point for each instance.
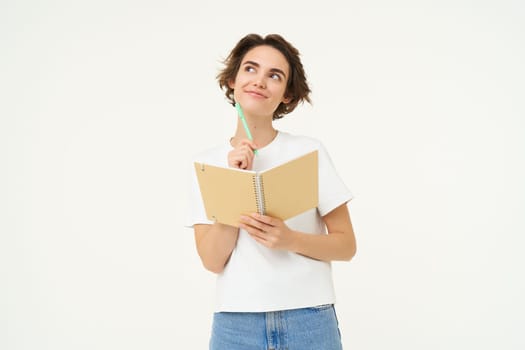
(262, 131)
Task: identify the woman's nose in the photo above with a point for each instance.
(259, 82)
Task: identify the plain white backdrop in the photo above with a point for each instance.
(102, 104)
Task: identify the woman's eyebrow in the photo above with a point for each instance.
(274, 70)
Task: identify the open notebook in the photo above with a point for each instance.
(282, 191)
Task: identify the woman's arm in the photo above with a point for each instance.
(338, 244)
(215, 244)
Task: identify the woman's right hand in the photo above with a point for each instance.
(241, 156)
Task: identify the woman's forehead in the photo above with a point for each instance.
(267, 57)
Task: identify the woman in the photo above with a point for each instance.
(274, 283)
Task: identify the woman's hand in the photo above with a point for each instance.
(338, 244)
(270, 232)
(241, 156)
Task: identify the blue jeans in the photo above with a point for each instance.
(314, 328)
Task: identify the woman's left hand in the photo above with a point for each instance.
(269, 231)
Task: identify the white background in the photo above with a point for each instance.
(102, 104)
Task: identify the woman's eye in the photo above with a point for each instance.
(275, 76)
(249, 69)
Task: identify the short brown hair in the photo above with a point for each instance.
(297, 89)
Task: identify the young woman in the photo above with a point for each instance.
(274, 283)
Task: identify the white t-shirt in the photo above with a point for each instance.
(256, 278)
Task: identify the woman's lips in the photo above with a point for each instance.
(256, 94)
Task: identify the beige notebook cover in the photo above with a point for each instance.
(282, 191)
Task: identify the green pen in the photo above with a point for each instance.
(243, 120)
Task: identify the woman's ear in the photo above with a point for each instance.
(286, 100)
(231, 83)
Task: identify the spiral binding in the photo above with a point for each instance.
(263, 196)
(258, 188)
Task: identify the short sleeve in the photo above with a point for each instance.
(332, 190)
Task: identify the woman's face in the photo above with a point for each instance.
(260, 83)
